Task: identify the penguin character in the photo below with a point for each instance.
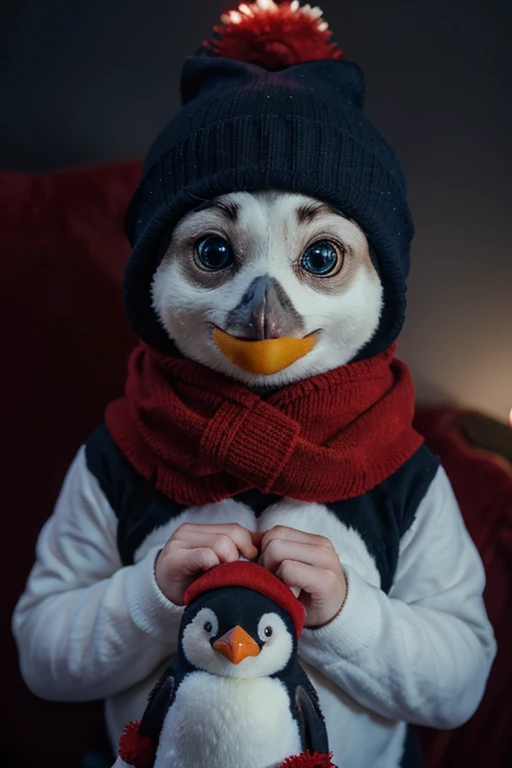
(236, 695)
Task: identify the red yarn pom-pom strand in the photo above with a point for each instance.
(309, 760)
(135, 749)
(274, 36)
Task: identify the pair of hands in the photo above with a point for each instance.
(301, 560)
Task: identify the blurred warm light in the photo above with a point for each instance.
(510, 417)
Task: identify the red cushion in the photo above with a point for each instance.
(65, 342)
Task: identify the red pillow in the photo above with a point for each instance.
(65, 343)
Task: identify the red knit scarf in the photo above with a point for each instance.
(201, 437)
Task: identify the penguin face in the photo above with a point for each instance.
(268, 287)
(235, 632)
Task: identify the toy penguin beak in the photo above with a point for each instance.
(263, 357)
(236, 645)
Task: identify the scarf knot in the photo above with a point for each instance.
(253, 442)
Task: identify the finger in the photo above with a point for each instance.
(278, 550)
(191, 532)
(223, 546)
(314, 581)
(293, 534)
(200, 559)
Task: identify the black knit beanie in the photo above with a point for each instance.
(299, 129)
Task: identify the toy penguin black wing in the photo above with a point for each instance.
(311, 720)
(159, 701)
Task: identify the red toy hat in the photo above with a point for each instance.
(253, 576)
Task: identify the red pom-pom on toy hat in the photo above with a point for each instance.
(253, 576)
(274, 36)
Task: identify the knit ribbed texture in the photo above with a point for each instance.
(352, 631)
(148, 607)
(201, 437)
(243, 128)
(252, 443)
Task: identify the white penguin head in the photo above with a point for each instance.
(281, 269)
(204, 646)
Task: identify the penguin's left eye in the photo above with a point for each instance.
(208, 626)
(270, 626)
(322, 259)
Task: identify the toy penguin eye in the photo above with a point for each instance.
(322, 259)
(207, 620)
(268, 626)
(214, 253)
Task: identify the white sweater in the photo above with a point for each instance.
(88, 627)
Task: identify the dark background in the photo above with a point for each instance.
(90, 82)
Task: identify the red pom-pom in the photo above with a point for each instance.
(308, 760)
(136, 749)
(274, 36)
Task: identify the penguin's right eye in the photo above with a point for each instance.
(208, 626)
(214, 253)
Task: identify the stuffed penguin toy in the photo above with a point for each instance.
(236, 695)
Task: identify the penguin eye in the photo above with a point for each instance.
(206, 621)
(214, 253)
(322, 259)
(270, 626)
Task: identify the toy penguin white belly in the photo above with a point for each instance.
(228, 723)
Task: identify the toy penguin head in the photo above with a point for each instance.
(240, 621)
(270, 230)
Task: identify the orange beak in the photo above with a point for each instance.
(266, 356)
(236, 645)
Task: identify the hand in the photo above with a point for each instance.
(193, 549)
(310, 563)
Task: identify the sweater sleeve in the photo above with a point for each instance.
(86, 627)
(423, 653)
